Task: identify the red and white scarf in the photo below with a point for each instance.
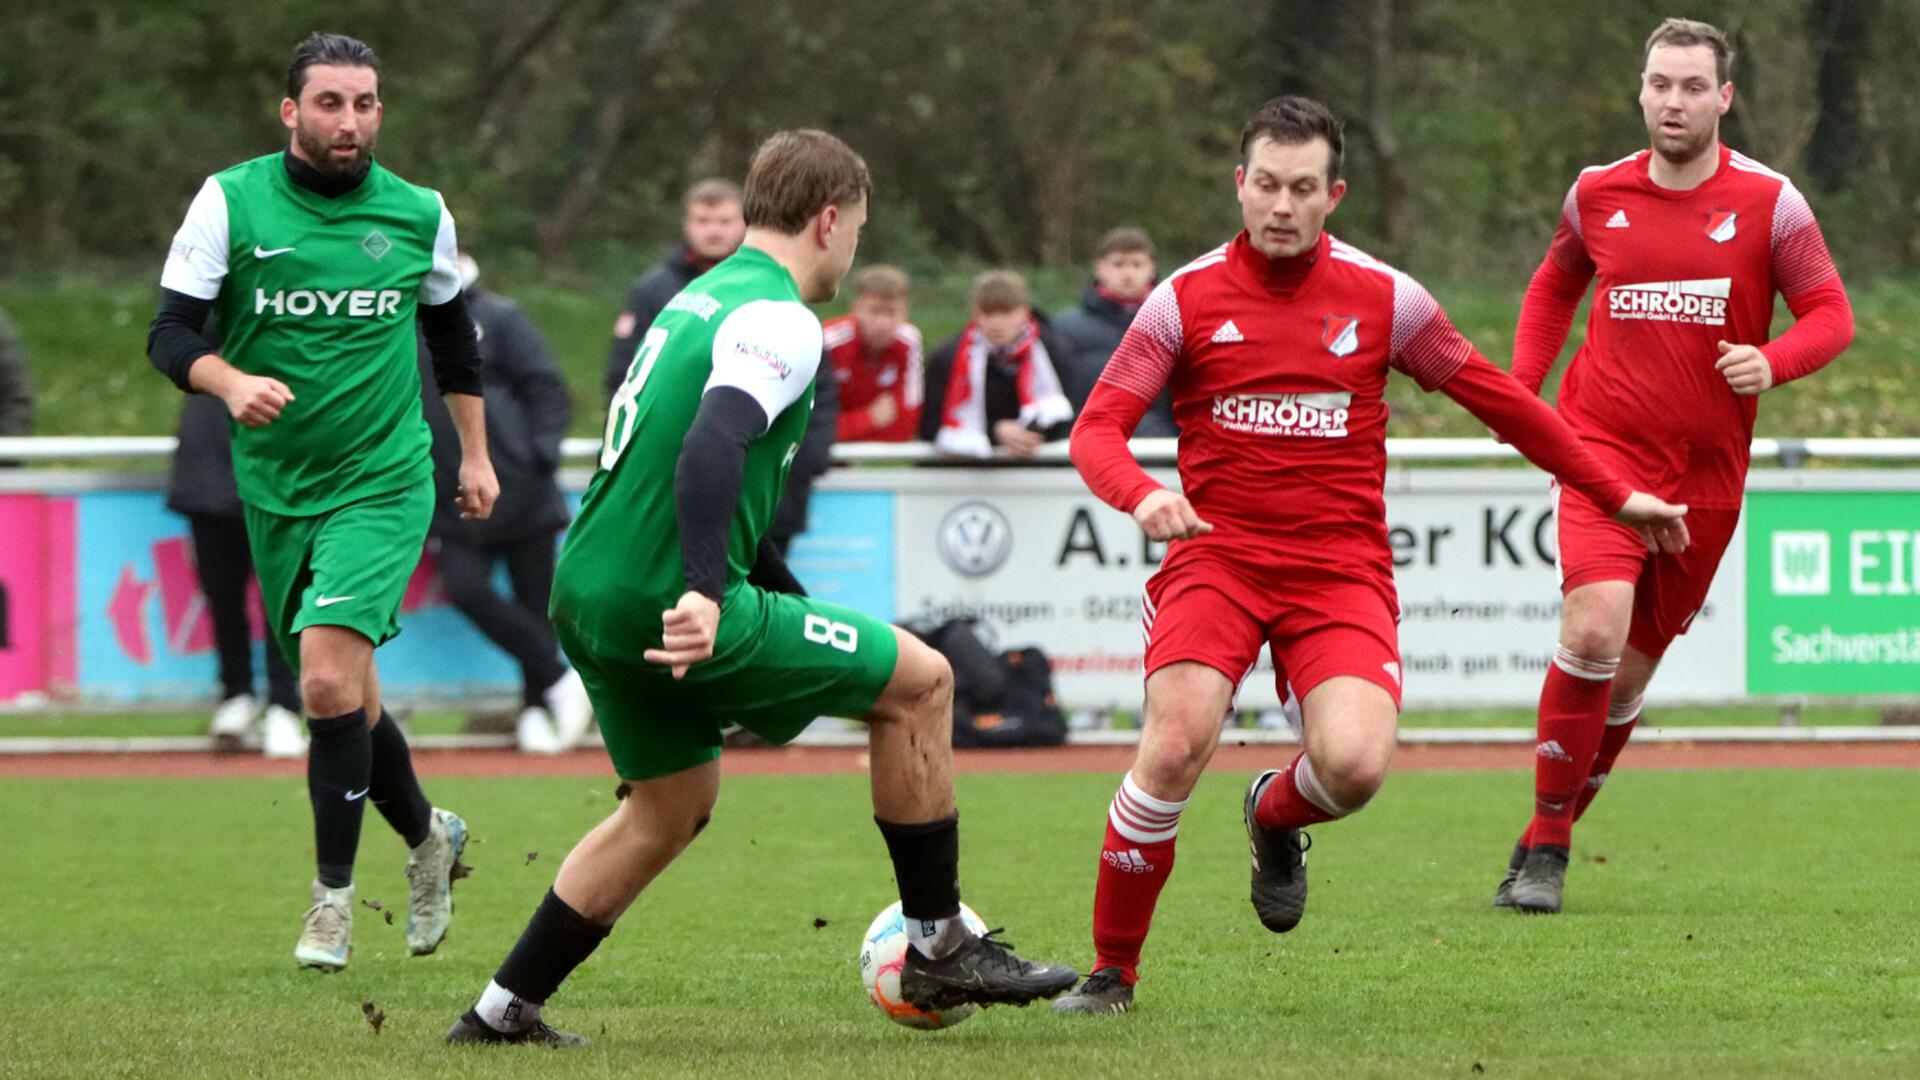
(963, 423)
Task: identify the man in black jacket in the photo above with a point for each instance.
(995, 384)
(201, 487)
(529, 409)
(712, 230)
(1123, 274)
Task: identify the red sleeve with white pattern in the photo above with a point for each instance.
(1553, 296)
(1133, 378)
(1804, 273)
(1425, 345)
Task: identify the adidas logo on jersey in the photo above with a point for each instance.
(1227, 334)
(1552, 751)
(1129, 861)
(1618, 220)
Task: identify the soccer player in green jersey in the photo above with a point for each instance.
(652, 603)
(318, 262)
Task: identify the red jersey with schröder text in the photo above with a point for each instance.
(1277, 377)
(1673, 274)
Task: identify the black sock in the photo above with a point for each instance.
(926, 863)
(557, 940)
(339, 764)
(396, 791)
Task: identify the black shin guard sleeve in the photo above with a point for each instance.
(557, 940)
(339, 764)
(926, 863)
(396, 791)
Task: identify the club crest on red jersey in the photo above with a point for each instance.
(1720, 225)
(1341, 334)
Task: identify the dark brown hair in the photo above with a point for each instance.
(796, 174)
(1293, 121)
(1686, 32)
(335, 49)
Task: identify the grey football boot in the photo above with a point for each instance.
(1542, 879)
(1104, 993)
(1503, 893)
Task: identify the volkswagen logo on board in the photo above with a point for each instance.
(974, 539)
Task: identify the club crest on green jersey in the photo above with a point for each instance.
(376, 244)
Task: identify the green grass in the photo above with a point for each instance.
(1719, 924)
(86, 331)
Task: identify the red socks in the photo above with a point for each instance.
(1135, 861)
(1573, 717)
(1621, 720)
(1295, 799)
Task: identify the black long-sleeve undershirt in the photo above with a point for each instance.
(706, 492)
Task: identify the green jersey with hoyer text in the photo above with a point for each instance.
(741, 324)
(321, 294)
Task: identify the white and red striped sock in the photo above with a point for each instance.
(1135, 860)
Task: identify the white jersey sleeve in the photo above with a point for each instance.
(770, 349)
(442, 283)
(197, 261)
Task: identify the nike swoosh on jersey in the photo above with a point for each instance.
(263, 253)
(329, 601)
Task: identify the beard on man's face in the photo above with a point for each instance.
(320, 151)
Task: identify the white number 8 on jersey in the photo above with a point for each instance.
(823, 631)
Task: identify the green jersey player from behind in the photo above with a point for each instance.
(318, 262)
(653, 605)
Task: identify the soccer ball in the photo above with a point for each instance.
(883, 952)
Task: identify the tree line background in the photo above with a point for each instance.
(999, 131)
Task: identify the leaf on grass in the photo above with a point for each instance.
(373, 1014)
(819, 923)
(1479, 1068)
(376, 905)
(531, 855)
(460, 870)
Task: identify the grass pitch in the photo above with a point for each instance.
(1719, 924)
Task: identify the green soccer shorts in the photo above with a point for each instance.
(779, 662)
(346, 567)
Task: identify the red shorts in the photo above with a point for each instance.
(1668, 590)
(1205, 611)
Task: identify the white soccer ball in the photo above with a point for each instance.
(883, 952)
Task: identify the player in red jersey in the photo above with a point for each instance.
(1686, 244)
(1277, 347)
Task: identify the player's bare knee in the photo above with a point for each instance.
(1352, 775)
(330, 692)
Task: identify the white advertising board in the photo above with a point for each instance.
(1038, 560)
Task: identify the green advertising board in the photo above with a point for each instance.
(1832, 601)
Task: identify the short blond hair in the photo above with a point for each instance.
(882, 283)
(999, 290)
(711, 192)
(796, 174)
(1683, 33)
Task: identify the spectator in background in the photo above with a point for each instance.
(1123, 273)
(528, 409)
(16, 383)
(996, 380)
(201, 487)
(874, 355)
(712, 229)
